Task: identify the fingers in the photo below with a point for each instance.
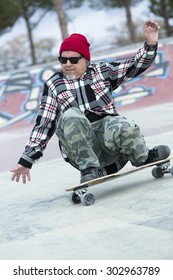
(21, 174)
(28, 176)
(24, 178)
(151, 32)
(15, 177)
(150, 24)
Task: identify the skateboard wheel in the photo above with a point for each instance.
(157, 172)
(171, 170)
(74, 198)
(88, 199)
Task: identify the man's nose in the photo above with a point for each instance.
(68, 62)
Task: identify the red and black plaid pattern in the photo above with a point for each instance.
(91, 93)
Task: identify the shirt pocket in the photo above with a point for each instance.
(66, 99)
(102, 90)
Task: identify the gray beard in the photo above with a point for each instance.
(71, 77)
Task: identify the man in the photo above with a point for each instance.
(77, 105)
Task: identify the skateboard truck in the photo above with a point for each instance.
(160, 170)
(82, 196)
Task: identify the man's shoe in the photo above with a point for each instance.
(88, 174)
(158, 153)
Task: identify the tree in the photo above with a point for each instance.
(60, 7)
(27, 9)
(58, 4)
(7, 17)
(163, 9)
(43, 50)
(11, 11)
(126, 4)
(14, 54)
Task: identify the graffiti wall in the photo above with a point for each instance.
(20, 91)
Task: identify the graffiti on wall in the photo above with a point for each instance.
(20, 92)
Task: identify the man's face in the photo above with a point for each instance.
(70, 69)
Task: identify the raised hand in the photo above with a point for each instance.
(151, 32)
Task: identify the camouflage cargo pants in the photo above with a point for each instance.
(100, 143)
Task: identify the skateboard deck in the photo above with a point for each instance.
(79, 192)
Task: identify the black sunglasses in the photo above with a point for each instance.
(73, 60)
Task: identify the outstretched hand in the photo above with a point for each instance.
(151, 32)
(21, 171)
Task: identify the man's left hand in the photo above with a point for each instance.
(151, 32)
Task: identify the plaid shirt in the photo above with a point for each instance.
(92, 94)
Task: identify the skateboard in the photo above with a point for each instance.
(80, 194)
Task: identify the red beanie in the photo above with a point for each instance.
(78, 43)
